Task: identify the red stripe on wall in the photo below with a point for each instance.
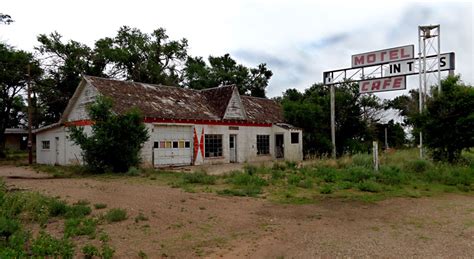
(200, 122)
(208, 122)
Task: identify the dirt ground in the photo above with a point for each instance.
(185, 225)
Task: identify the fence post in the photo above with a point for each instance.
(375, 152)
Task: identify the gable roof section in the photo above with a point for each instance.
(167, 102)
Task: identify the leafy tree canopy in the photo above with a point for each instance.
(115, 141)
(225, 71)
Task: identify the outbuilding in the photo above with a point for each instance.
(186, 126)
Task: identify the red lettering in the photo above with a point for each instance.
(376, 85)
(382, 54)
(359, 60)
(393, 54)
(386, 83)
(402, 53)
(364, 87)
(397, 82)
(371, 58)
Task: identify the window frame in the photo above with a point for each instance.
(212, 141)
(263, 145)
(297, 138)
(44, 146)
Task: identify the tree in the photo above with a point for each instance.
(115, 141)
(448, 121)
(130, 55)
(13, 79)
(225, 71)
(311, 111)
(395, 134)
(147, 58)
(63, 63)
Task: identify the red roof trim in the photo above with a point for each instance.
(200, 122)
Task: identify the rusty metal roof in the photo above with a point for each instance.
(167, 102)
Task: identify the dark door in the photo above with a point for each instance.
(279, 146)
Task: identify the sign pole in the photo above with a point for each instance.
(420, 89)
(333, 121)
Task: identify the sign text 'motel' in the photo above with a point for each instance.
(383, 56)
(382, 84)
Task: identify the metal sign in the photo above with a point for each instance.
(410, 67)
(383, 56)
(382, 84)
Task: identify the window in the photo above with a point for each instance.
(45, 144)
(175, 144)
(263, 144)
(155, 144)
(295, 138)
(181, 144)
(212, 145)
(187, 144)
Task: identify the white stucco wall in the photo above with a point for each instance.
(62, 150)
(79, 109)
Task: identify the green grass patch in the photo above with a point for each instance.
(116, 215)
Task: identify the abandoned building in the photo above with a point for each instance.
(186, 126)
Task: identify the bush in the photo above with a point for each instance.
(77, 211)
(358, 174)
(244, 179)
(116, 140)
(250, 169)
(90, 251)
(327, 174)
(326, 189)
(80, 227)
(8, 227)
(362, 160)
(47, 246)
(99, 206)
(369, 186)
(57, 207)
(391, 175)
(199, 178)
(116, 215)
(294, 179)
(417, 166)
(133, 171)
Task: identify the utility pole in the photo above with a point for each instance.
(30, 135)
(333, 122)
(386, 140)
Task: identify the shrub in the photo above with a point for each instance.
(99, 206)
(369, 186)
(250, 191)
(57, 207)
(327, 174)
(80, 227)
(358, 174)
(306, 183)
(244, 179)
(106, 252)
(279, 166)
(294, 179)
(326, 189)
(77, 211)
(417, 166)
(250, 169)
(47, 246)
(140, 217)
(133, 171)
(277, 174)
(391, 175)
(90, 251)
(116, 139)
(290, 164)
(8, 227)
(116, 215)
(199, 178)
(362, 160)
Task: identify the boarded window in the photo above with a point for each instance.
(295, 138)
(212, 145)
(263, 144)
(181, 144)
(45, 144)
(162, 144)
(168, 144)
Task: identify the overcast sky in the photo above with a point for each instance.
(297, 39)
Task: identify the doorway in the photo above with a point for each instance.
(233, 148)
(279, 146)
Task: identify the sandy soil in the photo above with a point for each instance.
(185, 225)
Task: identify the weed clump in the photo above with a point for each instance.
(116, 215)
(199, 178)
